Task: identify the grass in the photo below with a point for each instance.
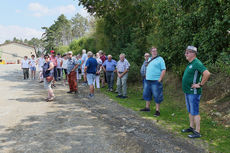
(174, 117)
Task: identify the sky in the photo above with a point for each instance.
(24, 18)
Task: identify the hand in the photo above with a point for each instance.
(196, 85)
(159, 80)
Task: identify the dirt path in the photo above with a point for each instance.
(74, 123)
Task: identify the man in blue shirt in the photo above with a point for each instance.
(91, 69)
(155, 72)
(109, 67)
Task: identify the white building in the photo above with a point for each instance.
(14, 52)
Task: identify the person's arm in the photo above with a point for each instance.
(162, 75)
(51, 66)
(206, 74)
(122, 74)
(61, 63)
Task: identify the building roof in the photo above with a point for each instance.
(20, 43)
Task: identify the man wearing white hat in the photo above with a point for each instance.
(195, 76)
(72, 65)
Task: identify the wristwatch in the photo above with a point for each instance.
(200, 84)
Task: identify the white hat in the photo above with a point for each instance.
(192, 48)
(70, 52)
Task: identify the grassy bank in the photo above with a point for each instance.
(174, 116)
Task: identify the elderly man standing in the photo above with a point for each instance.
(109, 66)
(83, 62)
(122, 76)
(91, 69)
(72, 65)
(195, 76)
(143, 68)
(155, 72)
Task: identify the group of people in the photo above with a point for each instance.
(195, 76)
(100, 68)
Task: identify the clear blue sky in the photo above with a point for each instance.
(24, 18)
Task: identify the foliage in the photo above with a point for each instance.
(62, 49)
(133, 26)
(87, 43)
(63, 31)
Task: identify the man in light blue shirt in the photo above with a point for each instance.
(155, 72)
(109, 67)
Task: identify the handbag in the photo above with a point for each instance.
(49, 78)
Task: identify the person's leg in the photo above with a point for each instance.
(124, 84)
(108, 75)
(24, 73)
(119, 86)
(197, 122)
(27, 73)
(191, 121)
(112, 80)
(34, 73)
(98, 81)
(70, 82)
(55, 73)
(157, 90)
(147, 95)
(74, 78)
(91, 88)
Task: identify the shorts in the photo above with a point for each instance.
(90, 78)
(153, 89)
(47, 85)
(33, 68)
(192, 103)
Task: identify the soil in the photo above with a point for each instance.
(74, 123)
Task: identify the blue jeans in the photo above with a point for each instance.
(153, 89)
(110, 78)
(192, 103)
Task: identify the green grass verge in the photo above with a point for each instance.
(174, 117)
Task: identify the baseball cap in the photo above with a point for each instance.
(192, 48)
(52, 51)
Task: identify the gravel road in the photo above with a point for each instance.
(75, 124)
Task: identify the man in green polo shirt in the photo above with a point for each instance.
(195, 76)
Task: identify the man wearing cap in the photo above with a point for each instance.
(153, 86)
(72, 65)
(195, 76)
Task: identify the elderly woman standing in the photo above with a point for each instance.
(48, 72)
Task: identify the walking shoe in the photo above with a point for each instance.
(69, 92)
(90, 96)
(194, 135)
(190, 129)
(123, 97)
(145, 109)
(108, 89)
(119, 96)
(157, 114)
(111, 90)
(41, 81)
